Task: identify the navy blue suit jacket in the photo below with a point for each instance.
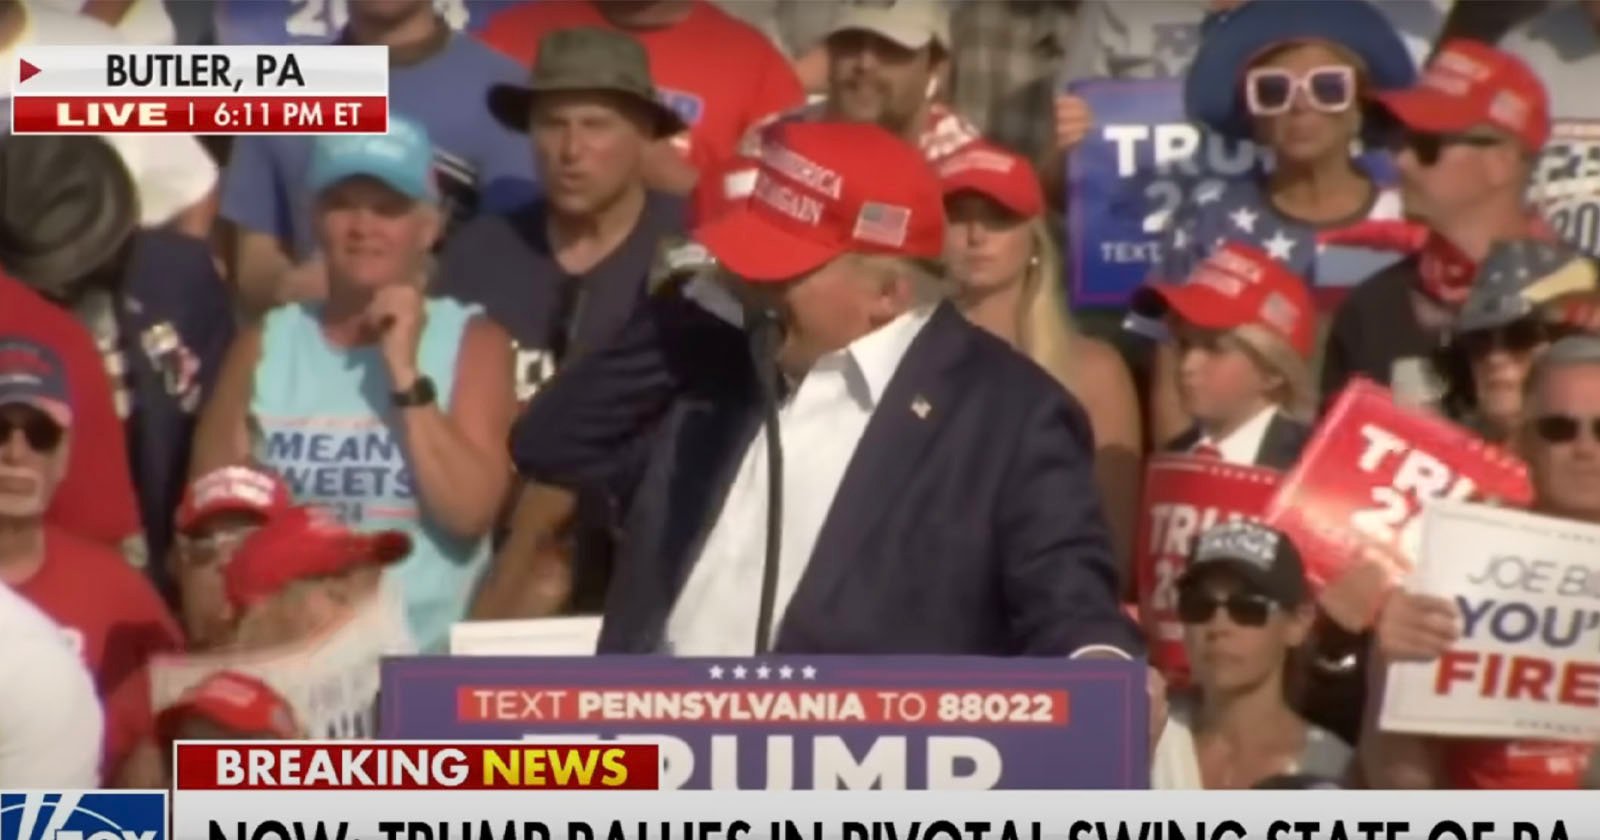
(974, 529)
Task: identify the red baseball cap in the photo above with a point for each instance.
(1468, 84)
(234, 701)
(304, 542)
(823, 190)
(1007, 179)
(1238, 285)
(233, 489)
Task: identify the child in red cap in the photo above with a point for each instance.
(1245, 326)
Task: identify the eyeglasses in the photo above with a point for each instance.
(1270, 90)
(1428, 146)
(42, 433)
(1565, 428)
(1516, 337)
(1198, 606)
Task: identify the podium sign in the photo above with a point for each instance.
(802, 722)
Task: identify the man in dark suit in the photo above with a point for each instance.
(937, 488)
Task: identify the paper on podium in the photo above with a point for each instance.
(566, 636)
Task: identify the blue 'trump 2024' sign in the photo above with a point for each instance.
(802, 722)
(1138, 165)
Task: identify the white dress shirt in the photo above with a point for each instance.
(820, 426)
(1243, 444)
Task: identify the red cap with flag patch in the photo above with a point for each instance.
(1237, 285)
(823, 190)
(304, 542)
(1470, 84)
(232, 489)
(1007, 179)
(234, 701)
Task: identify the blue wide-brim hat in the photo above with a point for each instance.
(1213, 91)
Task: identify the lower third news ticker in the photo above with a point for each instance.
(606, 791)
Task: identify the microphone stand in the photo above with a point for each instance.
(766, 334)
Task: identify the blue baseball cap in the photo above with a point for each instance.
(32, 374)
(402, 159)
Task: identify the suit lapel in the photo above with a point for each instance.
(913, 409)
(1281, 444)
(712, 441)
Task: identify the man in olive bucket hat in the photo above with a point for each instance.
(558, 551)
(151, 300)
(586, 59)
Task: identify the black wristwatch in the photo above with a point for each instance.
(420, 393)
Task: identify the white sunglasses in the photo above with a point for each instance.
(1330, 89)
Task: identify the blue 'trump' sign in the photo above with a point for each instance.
(802, 722)
(1139, 164)
(90, 815)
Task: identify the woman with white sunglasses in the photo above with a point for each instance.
(1292, 78)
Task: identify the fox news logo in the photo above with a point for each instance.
(96, 815)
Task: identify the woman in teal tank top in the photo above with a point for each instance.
(387, 407)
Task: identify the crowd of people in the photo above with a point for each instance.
(256, 393)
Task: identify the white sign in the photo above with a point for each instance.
(1528, 662)
(574, 636)
(330, 680)
(1566, 185)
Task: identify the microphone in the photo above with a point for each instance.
(765, 328)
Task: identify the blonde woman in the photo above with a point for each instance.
(1008, 280)
(388, 407)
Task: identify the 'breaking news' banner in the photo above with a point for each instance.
(1528, 662)
(1184, 496)
(810, 722)
(1566, 186)
(884, 815)
(1366, 471)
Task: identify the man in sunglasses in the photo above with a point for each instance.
(1471, 130)
(1245, 607)
(1560, 439)
(119, 622)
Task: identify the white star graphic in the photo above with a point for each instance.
(716, 672)
(1279, 247)
(808, 672)
(785, 672)
(1209, 192)
(738, 672)
(763, 672)
(1244, 219)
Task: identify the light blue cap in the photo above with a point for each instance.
(402, 158)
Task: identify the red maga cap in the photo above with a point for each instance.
(233, 489)
(1238, 285)
(990, 171)
(1468, 84)
(823, 190)
(304, 542)
(234, 701)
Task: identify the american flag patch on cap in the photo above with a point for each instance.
(882, 224)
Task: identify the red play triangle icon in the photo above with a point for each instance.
(25, 71)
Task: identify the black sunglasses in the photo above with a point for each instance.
(1428, 145)
(42, 433)
(1564, 428)
(1198, 606)
(1517, 337)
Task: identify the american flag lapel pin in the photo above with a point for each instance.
(921, 407)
